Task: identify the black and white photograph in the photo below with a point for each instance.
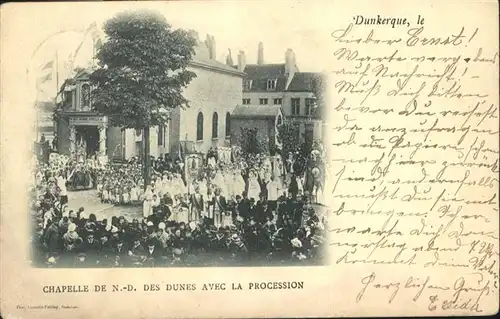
(249, 159)
(159, 146)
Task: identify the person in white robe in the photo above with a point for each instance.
(219, 183)
(181, 187)
(300, 184)
(134, 194)
(228, 181)
(211, 162)
(253, 186)
(159, 186)
(126, 195)
(118, 193)
(167, 184)
(183, 213)
(203, 185)
(238, 183)
(147, 203)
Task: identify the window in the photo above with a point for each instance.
(246, 101)
(295, 106)
(162, 133)
(199, 127)
(247, 85)
(310, 104)
(215, 125)
(228, 124)
(263, 101)
(278, 101)
(271, 84)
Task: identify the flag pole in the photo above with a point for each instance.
(36, 110)
(57, 74)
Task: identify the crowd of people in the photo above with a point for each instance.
(252, 211)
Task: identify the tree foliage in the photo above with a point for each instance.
(142, 70)
(250, 142)
(319, 91)
(289, 138)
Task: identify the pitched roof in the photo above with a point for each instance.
(303, 81)
(202, 58)
(256, 111)
(215, 64)
(259, 74)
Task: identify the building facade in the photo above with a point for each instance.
(256, 123)
(283, 84)
(212, 96)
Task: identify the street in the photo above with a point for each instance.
(92, 204)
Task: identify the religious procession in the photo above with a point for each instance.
(264, 208)
(193, 175)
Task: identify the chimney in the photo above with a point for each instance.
(208, 44)
(213, 48)
(241, 61)
(229, 58)
(260, 54)
(290, 64)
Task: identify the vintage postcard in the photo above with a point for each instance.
(246, 159)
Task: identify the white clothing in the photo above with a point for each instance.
(273, 190)
(61, 183)
(203, 187)
(134, 194)
(183, 215)
(146, 205)
(228, 181)
(238, 184)
(300, 185)
(253, 188)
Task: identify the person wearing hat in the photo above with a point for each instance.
(106, 250)
(71, 239)
(114, 234)
(136, 251)
(263, 212)
(297, 249)
(119, 250)
(150, 230)
(196, 205)
(218, 206)
(243, 206)
(51, 237)
(238, 250)
(153, 252)
(251, 233)
(90, 246)
(82, 260)
(162, 235)
(177, 240)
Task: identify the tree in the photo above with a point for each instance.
(250, 142)
(141, 73)
(319, 91)
(289, 138)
